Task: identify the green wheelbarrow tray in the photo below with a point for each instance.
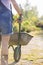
(24, 38)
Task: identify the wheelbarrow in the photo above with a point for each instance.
(19, 39)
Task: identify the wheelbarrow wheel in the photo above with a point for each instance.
(17, 54)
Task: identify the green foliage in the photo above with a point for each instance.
(30, 18)
(39, 24)
(25, 25)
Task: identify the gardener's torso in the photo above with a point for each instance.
(6, 3)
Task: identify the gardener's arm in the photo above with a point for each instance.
(16, 6)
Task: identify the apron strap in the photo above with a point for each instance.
(0, 0)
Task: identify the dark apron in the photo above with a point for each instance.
(5, 15)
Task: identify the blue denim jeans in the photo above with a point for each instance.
(5, 20)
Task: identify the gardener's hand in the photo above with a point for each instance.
(20, 18)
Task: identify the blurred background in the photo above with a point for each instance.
(32, 15)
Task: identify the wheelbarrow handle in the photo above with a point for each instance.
(20, 18)
(19, 35)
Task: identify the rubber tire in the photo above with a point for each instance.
(17, 54)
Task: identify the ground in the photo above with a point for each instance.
(32, 53)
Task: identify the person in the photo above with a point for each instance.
(6, 27)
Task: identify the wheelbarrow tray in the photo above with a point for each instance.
(24, 38)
